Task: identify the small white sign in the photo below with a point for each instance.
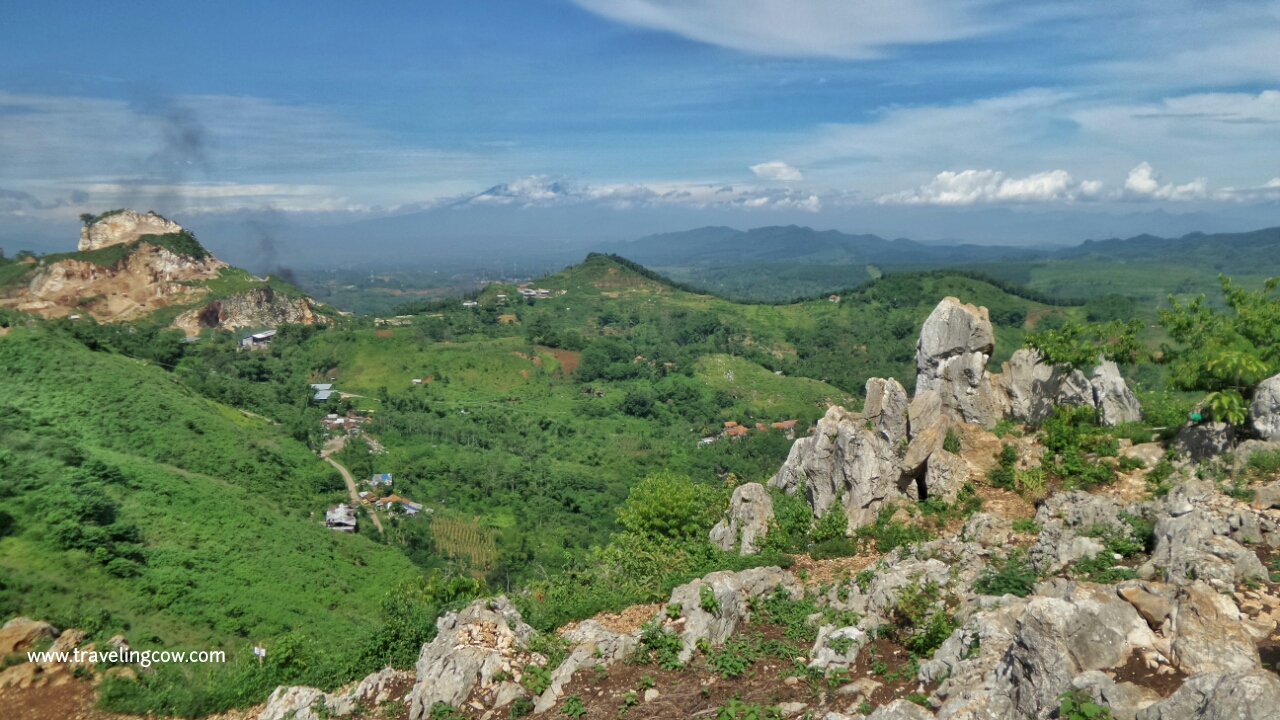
(259, 651)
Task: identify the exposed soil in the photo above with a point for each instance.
(568, 359)
(1137, 672)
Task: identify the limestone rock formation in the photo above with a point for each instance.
(886, 409)
(256, 308)
(750, 512)
(485, 638)
(1264, 411)
(124, 227)
(1116, 403)
(951, 359)
(732, 592)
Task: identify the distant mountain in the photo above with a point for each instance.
(1247, 252)
(709, 246)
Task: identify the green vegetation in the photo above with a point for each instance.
(1079, 705)
(1013, 576)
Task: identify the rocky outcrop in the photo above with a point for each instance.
(124, 227)
(843, 462)
(951, 359)
(1251, 695)
(1264, 411)
(256, 308)
(1208, 633)
(485, 638)
(299, 702)
(1116, 403)
(715, 622)
(750, 512)
(886, 409)
(148, 278)
(19, 633)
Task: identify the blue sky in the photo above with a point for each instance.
(871, 115)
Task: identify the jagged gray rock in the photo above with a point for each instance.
(924, 412)
(1264, 411)
(836, 647)
(732, 592)
(945, 475)
(1252, 695)
(1029, 387)
(900, 710)
(1201, 441)
(951, 359)
(750, 512)
(1193, 545)
(1124, 699)
(1063, 518)
(1087, 628)
(293, 703)
(1208, 633)
(987, 529)
(1116, 403)
(886, 408)
(842, 462)
(470, 647)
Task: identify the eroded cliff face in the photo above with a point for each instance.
(149, 277)
(123, 228)
(260, 307)
(146, 279)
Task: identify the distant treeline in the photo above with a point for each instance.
(418, 307)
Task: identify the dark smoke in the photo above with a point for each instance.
(182, 152)
(264, 228)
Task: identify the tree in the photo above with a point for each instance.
(1080, 345)
(671, 506)
(86, 218)
(1226, 354)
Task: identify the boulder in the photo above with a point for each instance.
(20, 632)
(1070, 387)
(886, 409)
(1209, 635)
(124, 227)
(1201, 441)
(296, 702)
(1063, 519)
(1153, 601)
(1192, 544)
(1264, 411)
(1028, 386)
(988, 530)
(945, 474)
(1116, 403)
(924, 412)
(732, 592)
(471, 646)
(1087, 628)
(836, 647)
(900, 710)
(1250, 695)
(1124, 698)
(750, 512)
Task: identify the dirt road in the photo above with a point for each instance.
(331, 447)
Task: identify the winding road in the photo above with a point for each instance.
(351, 482)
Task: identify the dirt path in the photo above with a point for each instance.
(333, 446)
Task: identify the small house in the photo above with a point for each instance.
(470, 304)
(381, 479)
(341, 517)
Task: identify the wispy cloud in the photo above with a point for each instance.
(1143, 183)
(822, 28)
(542, 191)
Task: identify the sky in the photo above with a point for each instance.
(544, 121)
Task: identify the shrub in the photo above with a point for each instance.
(1014, 576)
(887, 533)
(573, 707)
(707, 600)
(1265, 463)
(668, 505)
(834, 524)
(1079, 705)
(951, 443)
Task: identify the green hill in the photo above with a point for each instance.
(133, 504)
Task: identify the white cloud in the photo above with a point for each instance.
(991, 186)
(1143, 183)
(776, 170)
(824, 28)
(542, 191)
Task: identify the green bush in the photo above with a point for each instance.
(886, 533)
(668, 505)
(1013, 576)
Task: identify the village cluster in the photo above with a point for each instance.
(342, 517)
(733, 429)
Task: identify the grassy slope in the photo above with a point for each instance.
(224, 504)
